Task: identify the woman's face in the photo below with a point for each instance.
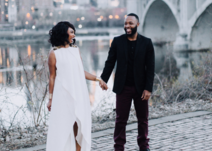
(71, 35)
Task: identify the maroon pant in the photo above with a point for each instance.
(123, 105)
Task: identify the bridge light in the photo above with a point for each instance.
(116, 16)
(99, 19)
(50, 14)
(82, 18)
(28, 15)
(111, 16)
(78, 19)
(29, 50)
(26, 22)
(79, 26)
(125, 16)
(33, 27)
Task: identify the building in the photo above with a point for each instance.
(111, 3)
(12, 11)
(78, 2)
(4, 11)
(27, 6)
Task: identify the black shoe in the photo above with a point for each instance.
(145, 149)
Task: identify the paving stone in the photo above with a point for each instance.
(183, 135)
(188, 134)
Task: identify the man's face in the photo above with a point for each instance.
(130, 25)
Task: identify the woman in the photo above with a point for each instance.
(70, 121)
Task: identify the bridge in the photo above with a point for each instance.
(186, 23)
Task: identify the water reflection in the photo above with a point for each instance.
(93, 52)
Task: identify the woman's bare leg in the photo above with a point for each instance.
(78, 148)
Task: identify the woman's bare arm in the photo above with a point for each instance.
(52, 70)
(89, 76)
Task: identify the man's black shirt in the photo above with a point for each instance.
(130, 64)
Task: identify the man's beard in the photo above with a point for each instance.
(133, 31)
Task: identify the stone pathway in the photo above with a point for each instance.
(184, 135)
(184, 132)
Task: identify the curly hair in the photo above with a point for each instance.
(59, 36)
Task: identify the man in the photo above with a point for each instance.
(134, 76)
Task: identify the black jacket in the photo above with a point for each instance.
(144, 63)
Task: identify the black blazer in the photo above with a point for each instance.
(144, 63)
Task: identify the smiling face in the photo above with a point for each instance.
(130, 25)
(71, 34)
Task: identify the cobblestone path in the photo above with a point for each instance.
(192, 134)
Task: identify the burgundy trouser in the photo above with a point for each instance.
(123, 105)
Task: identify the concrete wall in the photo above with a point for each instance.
(200, 2)
(191, 8)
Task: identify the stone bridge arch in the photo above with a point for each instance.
(200, 33)
(160, 21)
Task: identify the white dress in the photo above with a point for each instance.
(70, 104)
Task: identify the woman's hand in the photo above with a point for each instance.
(103, 85)
(49, 105)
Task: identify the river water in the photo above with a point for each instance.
(13, 90)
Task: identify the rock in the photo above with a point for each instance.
(7, 138)
(1, 139)
(24, 131)
(14, 134)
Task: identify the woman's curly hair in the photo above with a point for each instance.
(59, 36)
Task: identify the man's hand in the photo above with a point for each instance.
(103, 85)
(146, 95)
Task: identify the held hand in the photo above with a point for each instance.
(103, 85)
(49, 105)
(146, 95)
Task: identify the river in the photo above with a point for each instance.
(13, 90)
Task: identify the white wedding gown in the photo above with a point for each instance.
(70, 104)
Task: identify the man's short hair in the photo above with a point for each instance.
(132, 14)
